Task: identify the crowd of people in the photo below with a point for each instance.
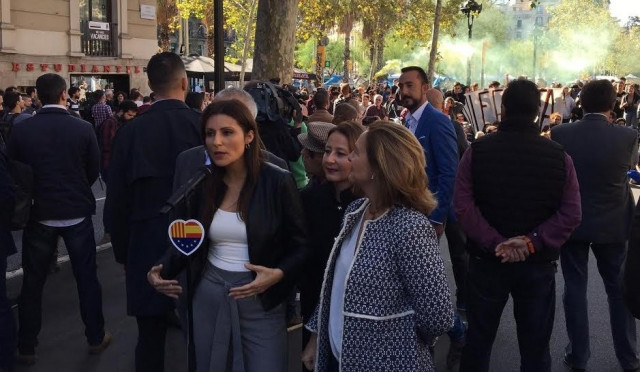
(346, 202)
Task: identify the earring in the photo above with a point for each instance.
(373, 176)
(247, 146)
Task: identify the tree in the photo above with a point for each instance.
(240, 15)
(571, 38)
(203, 11)
(346, 26)
(167, 15)
(431, 69)
(275, 39)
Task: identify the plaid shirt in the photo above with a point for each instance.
(100, 112)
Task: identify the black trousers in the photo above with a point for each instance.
(152, 331)
(457, 242)
(7, 323)
(532, 287)
(39, 243)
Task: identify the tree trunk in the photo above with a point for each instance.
(380, 53)
(372, 59)
(431, 69)
(164, 39)
(347, 56)
(247, 39)
(319, 63)
(275, 40)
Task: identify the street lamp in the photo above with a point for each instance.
(471, 9)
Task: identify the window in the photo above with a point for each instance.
(518, 35)
(101, 38)
(539, 21)
(519, 24)
(95, 10)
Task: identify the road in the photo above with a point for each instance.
(62, 343)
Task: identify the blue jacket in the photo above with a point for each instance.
(396, 298)
(438, 139)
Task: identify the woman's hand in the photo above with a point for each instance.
(309, 352)
(265, 278)
(170, 288)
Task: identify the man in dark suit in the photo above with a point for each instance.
(63, 152)
(141, 172)
(602, 154)
(7, 248)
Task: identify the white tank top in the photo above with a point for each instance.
(228, 236)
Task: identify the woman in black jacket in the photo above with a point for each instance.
(324, 205)
(254, 251)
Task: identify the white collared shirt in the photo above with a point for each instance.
(414, 118)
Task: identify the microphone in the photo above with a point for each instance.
(186, 189)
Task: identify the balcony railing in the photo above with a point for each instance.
(99, 39)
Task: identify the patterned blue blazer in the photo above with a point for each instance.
(396, 298)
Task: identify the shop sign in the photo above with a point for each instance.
(58, 67)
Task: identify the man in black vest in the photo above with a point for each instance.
(517, 199)
(603, 153)
(141, 172)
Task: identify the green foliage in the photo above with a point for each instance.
(579, 48)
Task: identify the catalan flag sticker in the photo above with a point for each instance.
(186, 236)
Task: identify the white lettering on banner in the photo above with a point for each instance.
(485, 106)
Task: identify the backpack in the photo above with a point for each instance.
(21, 176)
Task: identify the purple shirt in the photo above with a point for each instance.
(551, 233)
(100, 112)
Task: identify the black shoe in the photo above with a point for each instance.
(567, 362)
(25, 359)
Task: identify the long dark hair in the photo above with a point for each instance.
(214, 184)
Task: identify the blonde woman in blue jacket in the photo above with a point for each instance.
(385, 296)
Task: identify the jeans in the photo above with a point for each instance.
(574, 257)
(631, 117)
(532, 287)
(38, 245)
(7, 323)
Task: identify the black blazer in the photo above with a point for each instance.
(189, 161)
(276, 233)
(143, 159)
(602, 154)
(7, 245)
(63, 152)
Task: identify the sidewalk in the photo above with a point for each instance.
(63, 346)
(62, 343)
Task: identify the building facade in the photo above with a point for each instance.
(95, 44)
(525, 20)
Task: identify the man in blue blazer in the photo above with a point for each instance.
(437, 137)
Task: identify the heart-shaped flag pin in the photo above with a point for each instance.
(186, 236)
